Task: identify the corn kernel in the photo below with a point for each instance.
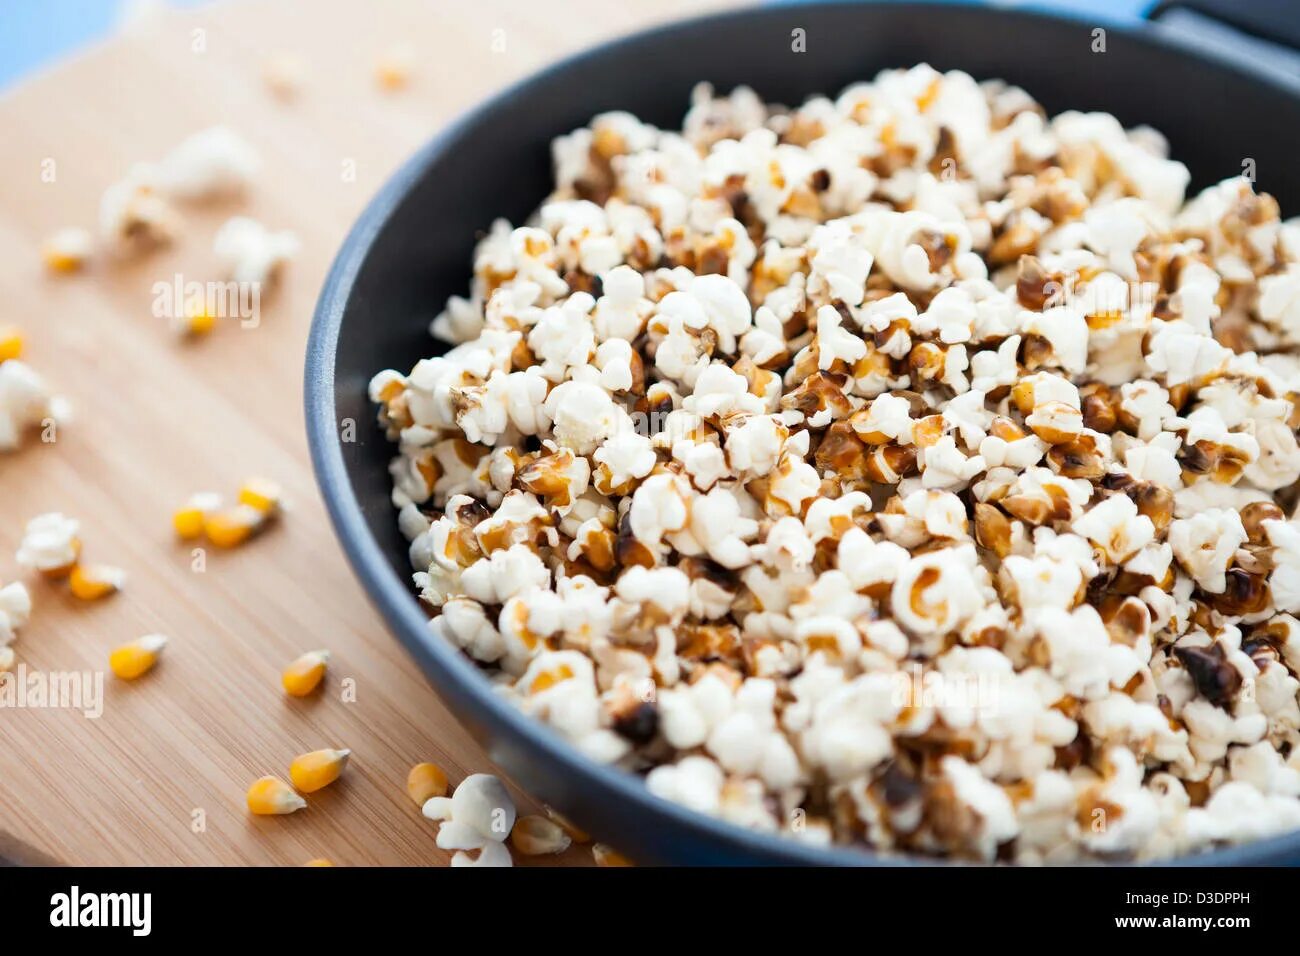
(393, 71)
(233, 526)
(11, 342)
(576, 834)
(319, 861)
(136, 658)
(305, 674)
(606, 855)
(188, 520)
(312, 771)
(196, 318)
(271, 796)
(261, 495)
(426, 781)
(66, 250)
(93, 581)
(538, 836)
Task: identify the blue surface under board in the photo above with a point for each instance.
(37, 33)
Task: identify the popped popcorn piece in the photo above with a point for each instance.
(50, 544)
(211, 163)
(251, 252)
(25, 403)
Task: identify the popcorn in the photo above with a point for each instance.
(15, 610)
(905, 457)
(50, 544)
(250, 251)
(478, 816)
(211, 163)
(25, 402)
(1204, 545)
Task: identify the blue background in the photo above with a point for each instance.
(36, 33)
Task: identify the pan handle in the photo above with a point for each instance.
(1252, 30)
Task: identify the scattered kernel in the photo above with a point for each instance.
(426, 781)
(233, 526)
(196, 318)
(11, 342)
(393, 70)
(93, 581)
(261, 495)
(271, 796)
(284, 74)
(189, 519)
(305, 673)
(312, 771)
(538, 836)
(138, 657)
(606, 855)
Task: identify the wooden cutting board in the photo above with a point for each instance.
(159, 777)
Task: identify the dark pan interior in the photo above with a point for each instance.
(413, 247)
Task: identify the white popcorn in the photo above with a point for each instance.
(478, 816)
(49, 543)
(582, 415)
(836, 344)
(251, 252)
(935, 592)
(1204, 545)
(211, 163)
(1116, 528)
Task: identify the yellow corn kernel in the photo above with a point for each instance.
(136, 658)
(575, 834)
(271, 796)
(606, 855)
(426, 781)
(305, 674)
(7, 658)
(310, 772)
(319, 861)
(188, 520)
(196, 318)
(93, 581)
(393, 71)
(11, 342)
(233, 526)
(66, 250)
(538, 836)
(261, 495)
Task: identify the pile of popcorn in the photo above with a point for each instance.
(908, 470)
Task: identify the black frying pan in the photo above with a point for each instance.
(1219, 105)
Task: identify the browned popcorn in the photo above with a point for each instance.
(908, 470)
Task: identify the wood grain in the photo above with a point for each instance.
(157, 419)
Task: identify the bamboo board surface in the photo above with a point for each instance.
(159, 777)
